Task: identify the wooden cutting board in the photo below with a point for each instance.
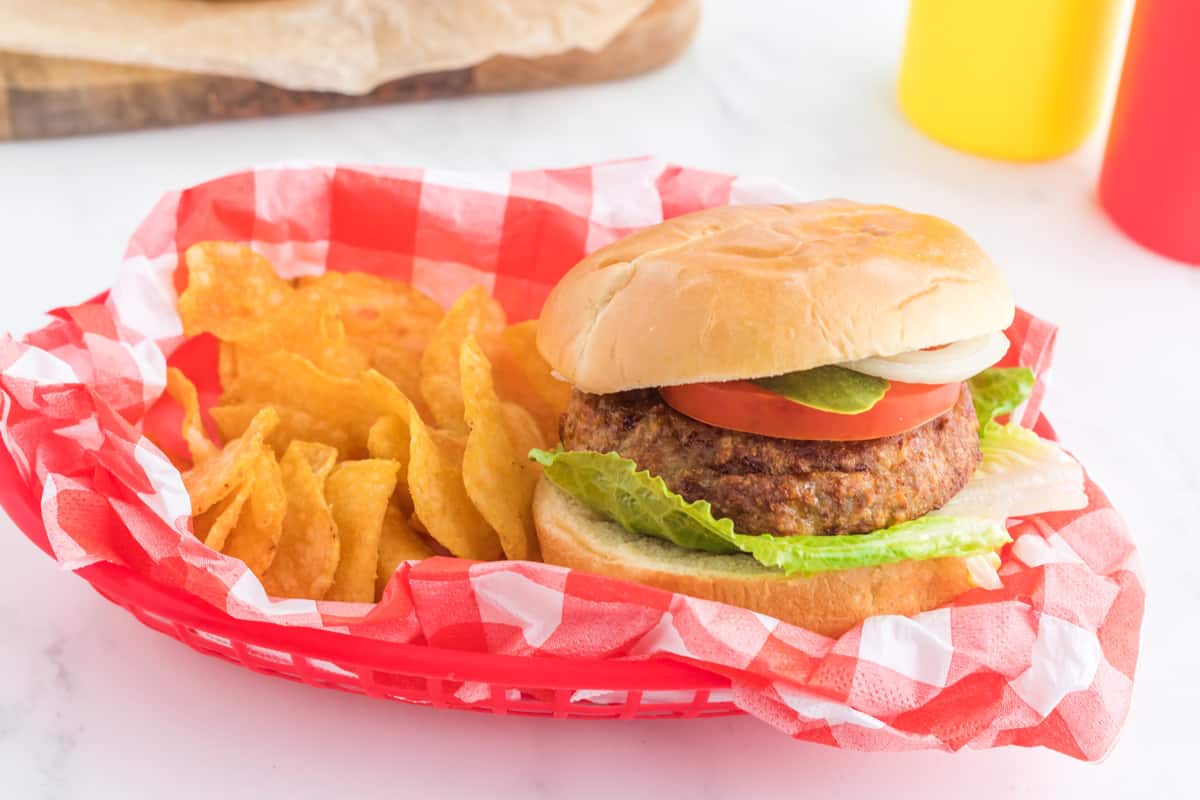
(42, 97)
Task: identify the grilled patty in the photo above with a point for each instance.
(782, 486)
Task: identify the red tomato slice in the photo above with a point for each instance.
(744, 406)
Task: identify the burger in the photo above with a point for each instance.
(792, 409)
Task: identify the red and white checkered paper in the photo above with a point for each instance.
(1046, 660)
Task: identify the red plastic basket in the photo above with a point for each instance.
(516, 233)
(416, 674)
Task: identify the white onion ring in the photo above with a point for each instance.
(949, 364)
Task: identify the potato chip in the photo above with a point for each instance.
(227, 363)
(373, 306)
(255, 537)
(268, 501)
(192, 430)
(439, 497)
(498, 477)
(388, 438)
(475, 312)
(235, 294)
(214, 525)
(293, 425)
(377, 311)
(308, 552)
(553, 394)
(319, 457)
(308, 325)
(350, 405)
(215, 478)
(403, 368)
(388, 321)
(523, 428)
(229, 289)
(397, 542)
(512, 387)
(443, 397)
(521, 340)
(358, 493)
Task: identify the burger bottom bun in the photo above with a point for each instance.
(830, 603)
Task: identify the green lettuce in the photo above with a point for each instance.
(642, 503)
(638, 501)
(916, 540)
(1020, 474)
(998, 391)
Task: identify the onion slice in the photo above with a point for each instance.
(950, 364)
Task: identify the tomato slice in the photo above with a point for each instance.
(744, 406)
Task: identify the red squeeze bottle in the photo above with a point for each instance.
(1150, 181)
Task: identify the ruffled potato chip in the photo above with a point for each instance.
(232, 421)
(255, 537)
(230, 288)
(475, 312)
(310, 326)
(214, 525)
(227, 363)
(388, 438)
(192, 430)
(524, 430)
(552, 394)
(358, 493)
(217, 477)
(403, 368)
(350, 405)
(388, 321)
(374, 307)
(436, 481)
(497, 474)
(397, 543)
(234, 294)
(308, 553)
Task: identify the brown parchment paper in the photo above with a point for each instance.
(348, 46)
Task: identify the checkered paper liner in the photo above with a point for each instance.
(1046, 660)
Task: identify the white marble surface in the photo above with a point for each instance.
(94, 705)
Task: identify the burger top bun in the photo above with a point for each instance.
(750, 291)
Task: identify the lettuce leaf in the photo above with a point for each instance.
(1020, 474)
(998, 391)
(642, 503)
(637, 501)
(916, 540)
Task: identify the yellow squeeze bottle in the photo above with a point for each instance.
(1020, 80)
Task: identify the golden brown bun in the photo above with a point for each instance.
(830, 603)
(750, 291)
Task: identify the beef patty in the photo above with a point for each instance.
(783, 486)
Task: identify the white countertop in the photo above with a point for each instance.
(94, 705)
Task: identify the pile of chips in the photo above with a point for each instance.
(362, 425)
